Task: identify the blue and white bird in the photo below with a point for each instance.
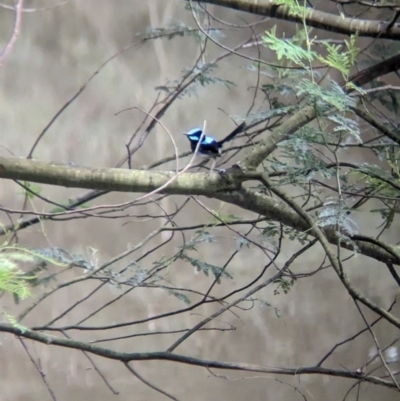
(209, 148)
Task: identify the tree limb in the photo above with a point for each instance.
(168, 356)
(224, 187)
(315, 18)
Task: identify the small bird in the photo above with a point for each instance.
(209, 148)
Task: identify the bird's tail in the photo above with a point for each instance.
(240, 128)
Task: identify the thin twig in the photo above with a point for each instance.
(17, 26)
(147, 383)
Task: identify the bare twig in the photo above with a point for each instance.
(17, 27)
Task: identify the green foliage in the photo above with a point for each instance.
(171, 32)
(206, 77)
(206, 268)
(380, 179)
(283, 285)
(11, 319)
(288, 49)
(16, 281)
(325, 98)
(338, 58)
(201, 236)
(352, 49)
(337, 214)
(225, 218)
(12, 279)
(345, 125)
(293, 6)
(179, 295)
(36, 189)
(301, 160)
(298, 149)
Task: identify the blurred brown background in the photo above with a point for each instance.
(56, 52)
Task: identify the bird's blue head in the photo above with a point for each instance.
(194, 134)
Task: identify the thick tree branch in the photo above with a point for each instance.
(277, 211)
(223, 187)
(168, 356)
(331, 255)
(317, 19)
(111, 179)
(266, 146)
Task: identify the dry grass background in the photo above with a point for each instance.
(56, 52)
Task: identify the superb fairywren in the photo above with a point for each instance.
(209, 147)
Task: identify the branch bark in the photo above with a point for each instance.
(168, 356)
(315, 18)
(223, 187)
(262, 150)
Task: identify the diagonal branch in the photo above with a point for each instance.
(376, 124)
(307, 114)
(278, 211)
(315, 18)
